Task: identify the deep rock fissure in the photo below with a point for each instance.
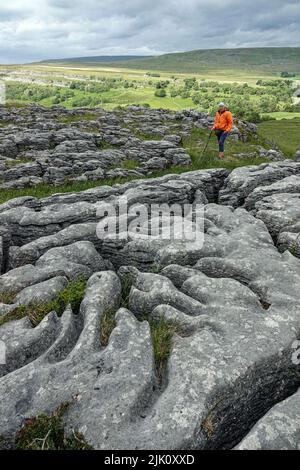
(233, 414)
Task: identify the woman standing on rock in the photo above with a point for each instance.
(222, 127)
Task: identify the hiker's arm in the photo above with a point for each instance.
(229, 122)
(215, 123)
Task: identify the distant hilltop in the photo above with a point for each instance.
(95, 59)
(264, 59)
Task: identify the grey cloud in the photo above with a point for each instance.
(40, 29)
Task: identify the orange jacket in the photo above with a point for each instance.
(223, 121)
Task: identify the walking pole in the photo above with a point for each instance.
(204, 150)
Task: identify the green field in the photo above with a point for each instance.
(73, 87)
(284, 133)
(283, 115)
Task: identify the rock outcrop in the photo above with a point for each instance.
(230, 304)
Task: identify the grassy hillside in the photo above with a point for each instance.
(264, 60)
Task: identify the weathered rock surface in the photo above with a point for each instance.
(66, 368)
(238, 350)
(279, 429)
(242, 181)
(278, 205)
(39, 218)
(60, 146)
(229, 381)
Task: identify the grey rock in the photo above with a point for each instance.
(24, 182)
(31, 252)
(68, 368)
(279, 429)
(41, 293)
(233, 300)
(50, 215)
(279, 211)
(281, 214)
(290, 184)
(242, 181)
(77, 260)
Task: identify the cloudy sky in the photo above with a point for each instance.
(41, 29)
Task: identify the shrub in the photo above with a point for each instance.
(160, 93)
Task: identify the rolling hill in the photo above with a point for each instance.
(271, 60)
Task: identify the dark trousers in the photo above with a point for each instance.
(222, 136)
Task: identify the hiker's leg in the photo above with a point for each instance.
(223, 136)
(222, 141)
(218, 134)
(221, 152)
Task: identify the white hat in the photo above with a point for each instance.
(221, 104)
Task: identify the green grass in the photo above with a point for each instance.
(5, 123)
(77, 118)
(283, 115)
(107, 325)
(72, 294)
(11, 163)
(16, 104)
(126, 287)
(105, 145)
(45, 432)
(143, 87)
(142, 136)
(7, 298)
(108, 321)
(195, 145)
(162, 333)
(130, 164)
(41, 191)
(284, 133)
(45, 190)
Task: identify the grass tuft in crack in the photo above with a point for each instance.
(69, 119)
(155, 268)
(126, 286)
(162, 333)
(7, 297)
(107, 325)
(72, 294)
(130, 164)
(47, 433)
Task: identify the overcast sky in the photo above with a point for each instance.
(42, 29)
